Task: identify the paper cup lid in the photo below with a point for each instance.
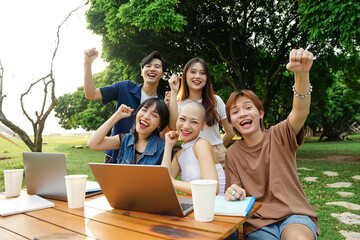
(13, 170)
(203, 182)
(76, 176)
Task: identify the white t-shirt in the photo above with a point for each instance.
(144, 96)
(212, 134)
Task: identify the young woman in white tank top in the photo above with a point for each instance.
(196, 159)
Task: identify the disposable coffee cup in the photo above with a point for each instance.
(13, 182)
(75, 190)
(203, 195)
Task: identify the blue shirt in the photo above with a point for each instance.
(152, 155)
(124, 92)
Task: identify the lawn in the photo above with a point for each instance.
(341, 157)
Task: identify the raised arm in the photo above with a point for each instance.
(173, 166)
(300, 63)
(174, 83)
(91, 92)
(229, 133)
(99, 140)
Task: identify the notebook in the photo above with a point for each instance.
(142, 188)
(44, 175)
(23, 204)
(239, 208)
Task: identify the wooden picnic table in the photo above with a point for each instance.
(98, 220)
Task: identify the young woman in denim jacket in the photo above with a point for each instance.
(143, 144)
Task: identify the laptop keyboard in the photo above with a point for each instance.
(185, 206)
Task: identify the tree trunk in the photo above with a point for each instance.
(38, 123)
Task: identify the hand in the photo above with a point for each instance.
(167, 98)
(171, 138)
(90, 55)
(174, 82)
(300, 61)
(124, 111)
(238, 193)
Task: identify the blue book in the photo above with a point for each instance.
(233, 208)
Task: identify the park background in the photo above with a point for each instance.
(245, 43)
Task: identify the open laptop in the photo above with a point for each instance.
(142, 188)
(44, 175)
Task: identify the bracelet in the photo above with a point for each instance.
(302, 96)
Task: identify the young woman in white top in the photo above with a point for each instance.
(196, 86)
(196, 159)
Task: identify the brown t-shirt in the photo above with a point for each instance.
(268, 171)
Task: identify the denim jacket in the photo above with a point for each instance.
(152, 155)
(124, 92)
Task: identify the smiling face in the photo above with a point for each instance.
(152, 72)
(245, 117)
(196, 76)
(190, 121)
(147, 120)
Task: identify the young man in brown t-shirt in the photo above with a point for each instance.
(263, 162)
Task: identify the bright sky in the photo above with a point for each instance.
(28, 36)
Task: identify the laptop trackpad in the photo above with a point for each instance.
(186, 204)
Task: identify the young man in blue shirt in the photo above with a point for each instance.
(153, 69)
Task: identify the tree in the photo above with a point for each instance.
(334, 22)
(48, 84)
(245, 43)
(75, 111)
(339, 107)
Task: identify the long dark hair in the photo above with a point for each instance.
(208, 94)
(162, 110)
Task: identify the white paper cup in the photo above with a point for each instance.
(75, 190)
(203, 195)
(13, 182)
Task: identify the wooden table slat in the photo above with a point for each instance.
(106, 225)
(5, 234)
(99, 220)
(85, 226)
(30, 227)
(188, 221)
(138, 220)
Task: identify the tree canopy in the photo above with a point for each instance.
(245, 43)
(334, 22)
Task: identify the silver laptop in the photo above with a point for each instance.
(44, 175)
(142, 188)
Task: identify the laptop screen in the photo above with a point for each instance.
(44, 175)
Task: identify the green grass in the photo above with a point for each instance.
(314, 149)
(315, 152)
(318, 194)
(77, 159)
